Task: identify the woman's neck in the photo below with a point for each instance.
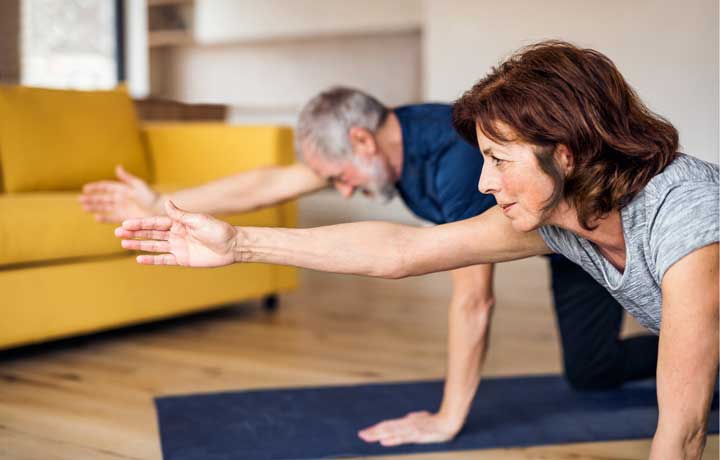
(607, 233)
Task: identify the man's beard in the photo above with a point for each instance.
(380, 186)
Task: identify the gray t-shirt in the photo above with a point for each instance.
(676, 213)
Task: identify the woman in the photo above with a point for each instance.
(579, 166)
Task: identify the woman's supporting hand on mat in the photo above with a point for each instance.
(415, 428)
(181, 238)
(115, 201)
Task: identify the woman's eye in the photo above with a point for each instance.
(497, 161)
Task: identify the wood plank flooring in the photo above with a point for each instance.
(92, 397)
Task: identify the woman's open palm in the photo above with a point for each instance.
(180, 238)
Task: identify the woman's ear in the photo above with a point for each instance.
(362, 142)
(564, 158)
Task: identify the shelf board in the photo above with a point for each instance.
(169, 37)
(168, 2)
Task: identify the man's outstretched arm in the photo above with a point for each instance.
(248, 191)
(131, 197)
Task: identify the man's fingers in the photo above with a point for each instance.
(104, 186)
(372, 433)
(377, 432)
(97, 208)
(145, 245)
(104, 197)
(126, 176)
(392, 441)
(148, 223)
(162, 259)
(107, 218)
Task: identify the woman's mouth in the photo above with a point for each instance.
(506, 207)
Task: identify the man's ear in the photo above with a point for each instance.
(564, 158)
(362, 142)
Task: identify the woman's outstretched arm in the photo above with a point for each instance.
(378, 249)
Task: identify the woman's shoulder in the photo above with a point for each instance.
(685, 170)
(682, 208)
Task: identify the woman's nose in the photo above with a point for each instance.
(487, 183)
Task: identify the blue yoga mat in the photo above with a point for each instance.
(311, 423)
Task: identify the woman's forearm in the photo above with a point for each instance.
(687, 355)
(246, 191)
(362, 248)
(389, 250)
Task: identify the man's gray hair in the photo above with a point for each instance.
(326, 119)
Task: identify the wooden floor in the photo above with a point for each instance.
(91, 398)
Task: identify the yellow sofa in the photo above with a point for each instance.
(63, 274)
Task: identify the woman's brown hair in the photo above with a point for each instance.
(554, 93)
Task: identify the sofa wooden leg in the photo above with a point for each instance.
(270, 302)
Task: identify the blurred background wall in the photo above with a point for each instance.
(666, 49)
(266, 57)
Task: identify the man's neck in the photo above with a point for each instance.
(390, 142)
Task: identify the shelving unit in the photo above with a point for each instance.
(170, 22)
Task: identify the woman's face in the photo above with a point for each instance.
(512, 174)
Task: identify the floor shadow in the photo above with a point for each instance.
(225, 312)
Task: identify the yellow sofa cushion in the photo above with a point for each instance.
(195, 153)
(42, 227)
(59, 140)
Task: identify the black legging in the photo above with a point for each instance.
(589, 319)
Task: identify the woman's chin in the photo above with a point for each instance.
(524, 225)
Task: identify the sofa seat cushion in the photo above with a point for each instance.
(51, 226)
(59, 139)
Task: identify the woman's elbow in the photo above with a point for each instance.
(395, 267)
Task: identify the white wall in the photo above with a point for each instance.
(221, 21)
(269, 82)
(666, 49)
(136, 53)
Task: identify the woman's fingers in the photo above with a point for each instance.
(157, 235)
(145, 245)
(162, 259)
(175, 212)
(148, 223)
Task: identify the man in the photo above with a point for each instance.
(351, 141)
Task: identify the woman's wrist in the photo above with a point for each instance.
(241, 246)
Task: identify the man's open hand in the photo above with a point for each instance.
(114, 201)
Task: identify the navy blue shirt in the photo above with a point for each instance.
(440, 170)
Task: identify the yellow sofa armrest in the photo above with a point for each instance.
(187, 154)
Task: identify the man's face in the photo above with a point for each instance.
(371, 175)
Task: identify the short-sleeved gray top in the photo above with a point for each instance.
(676, 213)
